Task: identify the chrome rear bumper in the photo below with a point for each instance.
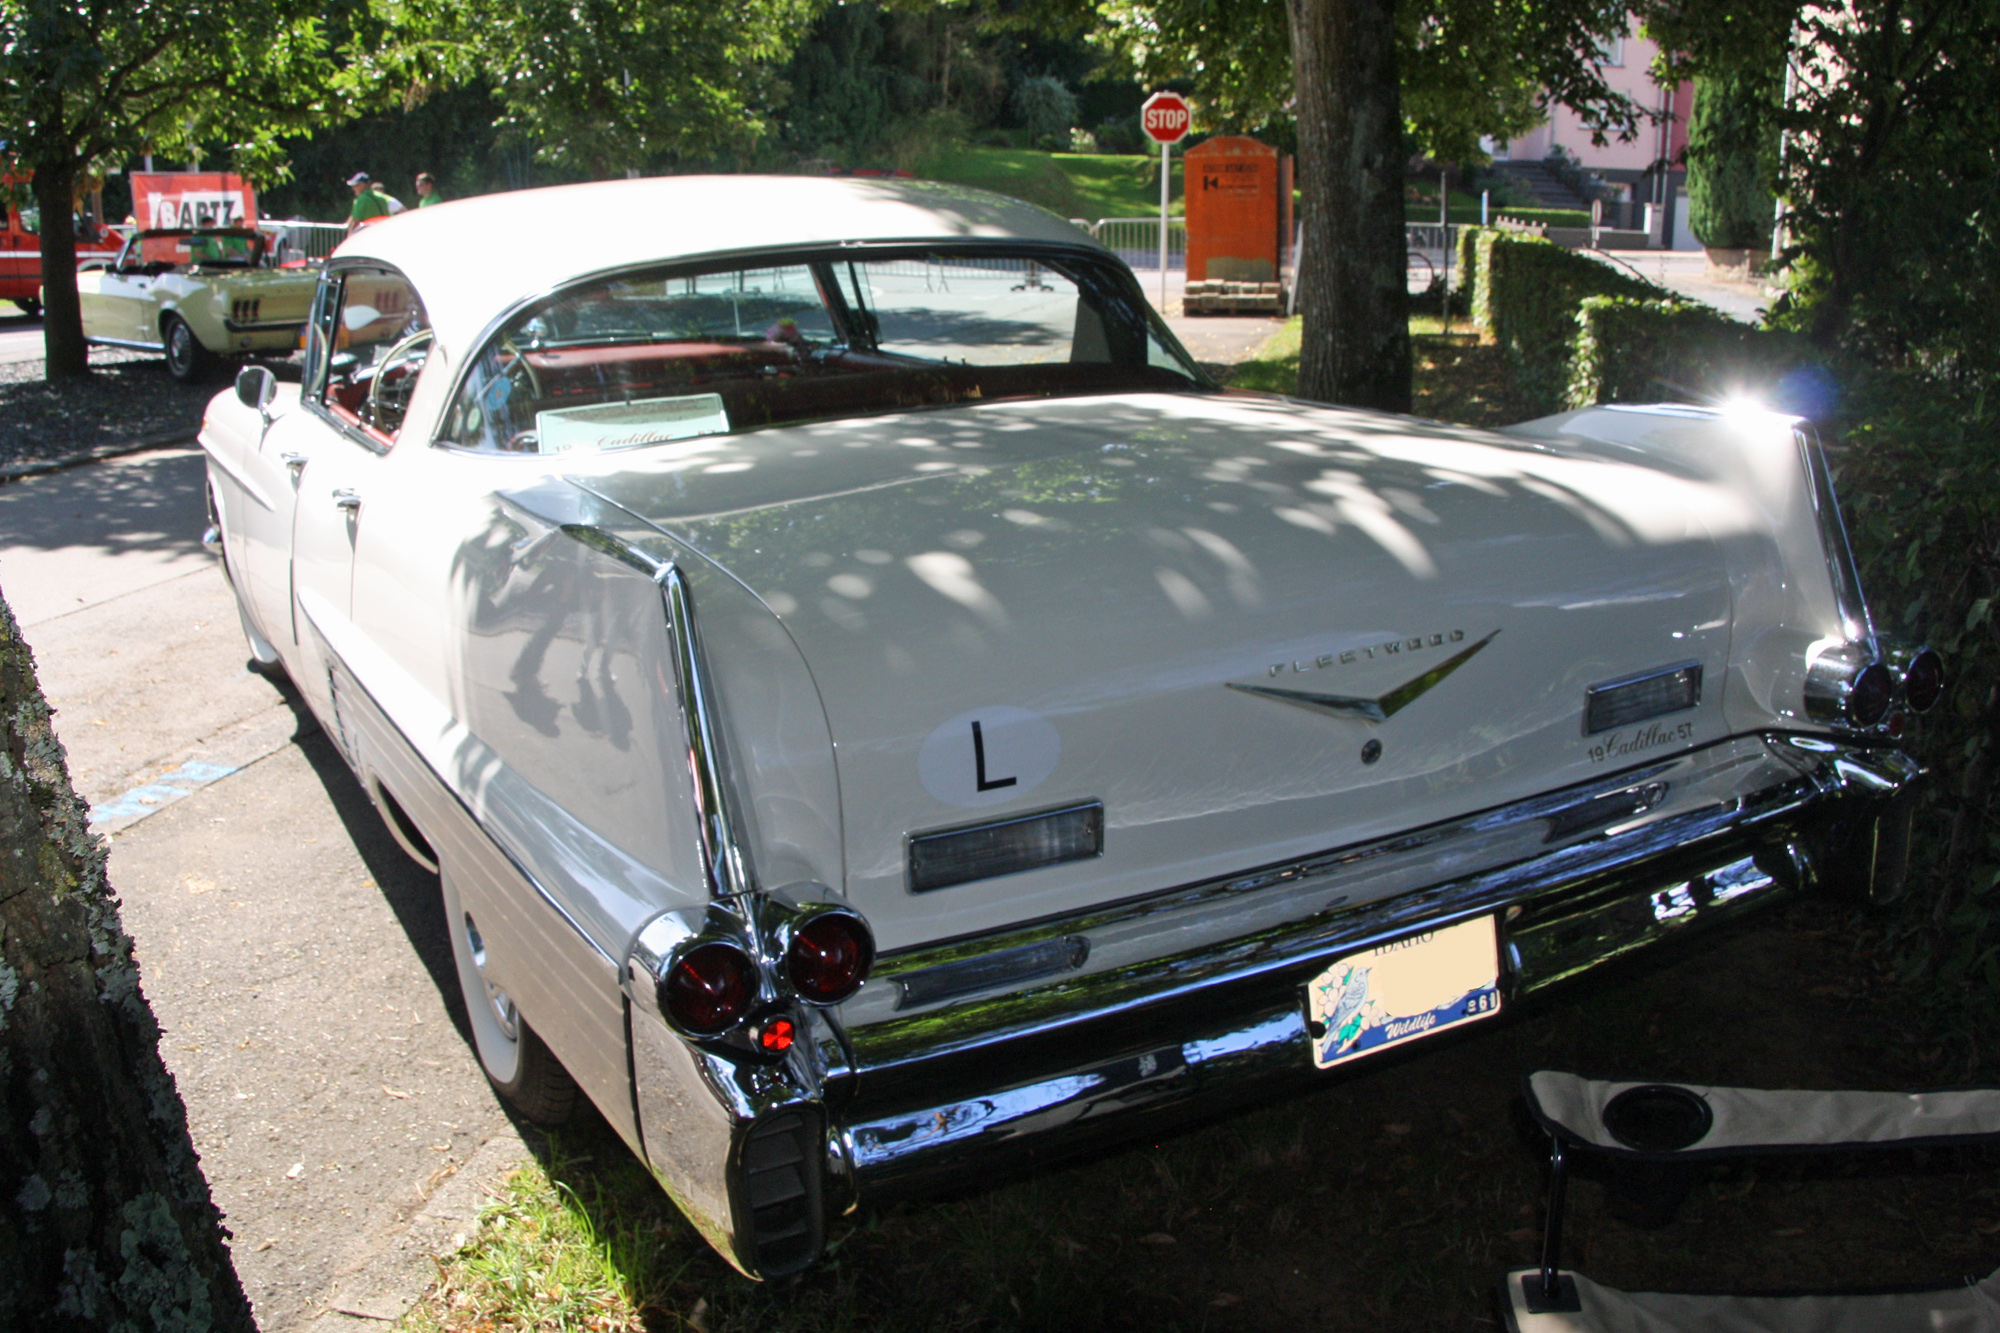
(961, 1059)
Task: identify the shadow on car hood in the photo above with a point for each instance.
(1252, 629)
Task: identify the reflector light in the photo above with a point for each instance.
(1005, 847)
(1621, 703)
(1923, 681)
(829, 957)
(709, 988)
(776, 1035)
(1868, 699)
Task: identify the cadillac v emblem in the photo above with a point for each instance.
(1379, 709)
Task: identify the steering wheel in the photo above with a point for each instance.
(396, 400)
(520, 363)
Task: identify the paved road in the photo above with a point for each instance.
(297, 962)
(20, 336)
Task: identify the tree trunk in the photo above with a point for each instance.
(62, 318)
(105, 1219)
(1352, 290)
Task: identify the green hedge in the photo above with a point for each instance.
(1465, 265)
(1526, 299)
(1630, 350)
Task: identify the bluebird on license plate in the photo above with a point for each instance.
(1402, 990)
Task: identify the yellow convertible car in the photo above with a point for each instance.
(197, 295)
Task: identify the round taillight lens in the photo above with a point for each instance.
(709, 989)
(1923, 681)
(1868, 697)
(829, 957)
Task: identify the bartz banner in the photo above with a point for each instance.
(193, 199)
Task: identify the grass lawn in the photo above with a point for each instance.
(1457, 379)
(1076, 185)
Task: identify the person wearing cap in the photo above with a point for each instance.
(427, 190)
(367, 202)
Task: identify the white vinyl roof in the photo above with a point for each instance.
(471, 259)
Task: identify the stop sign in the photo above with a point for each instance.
(1166, 117)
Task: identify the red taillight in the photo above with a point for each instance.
(1923, 681)
(1868, 698)
(829, 957)
(776, 1036)
(709, 989)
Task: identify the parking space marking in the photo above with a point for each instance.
(128, 808)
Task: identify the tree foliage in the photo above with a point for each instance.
(599, 87)
(1729, 128)
(1466, 68)
(85, 83)
(1891, 174)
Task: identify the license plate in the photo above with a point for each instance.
(1403, 990)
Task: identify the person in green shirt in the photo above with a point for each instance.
(427, 190)
(368, 203)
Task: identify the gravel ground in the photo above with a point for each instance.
(129, 398)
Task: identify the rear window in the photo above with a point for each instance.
(655, 356)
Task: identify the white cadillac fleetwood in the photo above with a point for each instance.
(879, 713)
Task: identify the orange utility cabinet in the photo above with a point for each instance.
(1236, 191)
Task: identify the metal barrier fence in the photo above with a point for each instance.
(1137, 240)
(302, 240)
(1429, 236)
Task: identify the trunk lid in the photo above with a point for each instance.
(1113, 587)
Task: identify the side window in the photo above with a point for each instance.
(319, 333)
(376, 340)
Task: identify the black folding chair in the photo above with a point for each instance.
(1662, 1126)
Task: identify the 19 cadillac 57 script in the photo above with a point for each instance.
(825, 637)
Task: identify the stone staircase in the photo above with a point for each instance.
(1535, 178)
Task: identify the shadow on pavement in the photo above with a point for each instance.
(149, 503)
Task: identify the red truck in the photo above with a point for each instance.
(21, 247)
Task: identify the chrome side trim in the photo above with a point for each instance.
(127, 342)
(547, 898)
(951, 1093)
(1856, 622)
(1288, 915)
(717, 811)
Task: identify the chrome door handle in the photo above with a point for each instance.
(348, 500)
(296, 462)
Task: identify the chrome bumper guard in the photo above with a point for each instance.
(961, 1059)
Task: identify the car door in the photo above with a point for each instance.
(367, 316)
(260, 488)
(118, 303)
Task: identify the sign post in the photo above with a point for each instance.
(1166, 119)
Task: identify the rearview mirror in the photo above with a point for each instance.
(256, 386)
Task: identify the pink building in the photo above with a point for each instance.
(1646, 169)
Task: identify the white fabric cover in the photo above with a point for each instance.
(1974, 1309)
(1748, 1119)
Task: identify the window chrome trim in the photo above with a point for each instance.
(673, 266)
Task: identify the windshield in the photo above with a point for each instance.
(670, 353)
(166, 251)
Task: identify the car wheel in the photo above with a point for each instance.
(520, 1067)
(187, 360)
(30, 307)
